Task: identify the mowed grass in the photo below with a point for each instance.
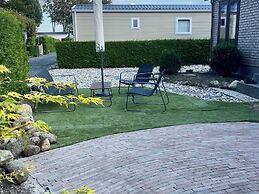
(92, 121)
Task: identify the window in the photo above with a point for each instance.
(183, 25)
(229, 12)
(223, 22)
(135, 23)
(223, 16)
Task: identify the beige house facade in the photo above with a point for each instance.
(144, 22)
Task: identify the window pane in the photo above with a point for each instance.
(135, 23)
(233, 20)
(223, 15)
(184, 26)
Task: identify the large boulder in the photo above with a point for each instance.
(16, 146)
(233, 85)
(18, 167)
(22, 119)
(34, 140)
(44, 145)
(31, 150)
(5, 157)
(24, 110)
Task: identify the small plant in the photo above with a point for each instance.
(81, 190)
(170, 62)
(226, 59)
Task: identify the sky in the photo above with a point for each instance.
(46, 24)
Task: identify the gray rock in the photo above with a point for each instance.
(52, 138)
(34, 140)
(233, 85)
(16, 146)
(17, 166)
(24, 110)
(224, 85)
(3, 144)
(31, 150)
(5, 156)
(214, 83)
(44, 145)
(22, 119)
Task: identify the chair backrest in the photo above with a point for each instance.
(144, 72)
(158, 81)
(45, 74)
(50, 90)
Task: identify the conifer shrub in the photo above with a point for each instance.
(226, 59)
(169, 62)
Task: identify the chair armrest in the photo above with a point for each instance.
(124, 72)
(67, 75)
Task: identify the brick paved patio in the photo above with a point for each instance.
(199, 158)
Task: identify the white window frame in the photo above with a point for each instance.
(132, 23)
(183, 18)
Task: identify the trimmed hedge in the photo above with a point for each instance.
(130, 53)
(48, 44)
(12, 50)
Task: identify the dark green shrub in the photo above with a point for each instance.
(48, 44)
(226, 59)
(170, 62)
(12, 50)
(130, 53)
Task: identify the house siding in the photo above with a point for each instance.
(117, 26)
(248, 38)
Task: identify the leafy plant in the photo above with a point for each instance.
(169, 62)
(130, 53)
(81, 190)
(226, 59)
(48, 44)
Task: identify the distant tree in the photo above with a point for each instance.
(59, 11)
(28, 8)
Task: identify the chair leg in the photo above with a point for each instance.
(127, 101)
(119, 90)
(166, 94)
(163, 101)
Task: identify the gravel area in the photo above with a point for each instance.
(85, 77)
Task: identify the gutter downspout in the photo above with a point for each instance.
(74, 23)
(212, 24)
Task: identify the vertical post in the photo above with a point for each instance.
(102, 62)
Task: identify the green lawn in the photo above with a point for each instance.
(89, 122)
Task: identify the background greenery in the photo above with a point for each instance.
(48, 44)
(89, 122)
(12, 50)
(130, 53)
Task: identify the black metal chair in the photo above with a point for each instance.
(146, 90)
(51, 90)
(143, 75)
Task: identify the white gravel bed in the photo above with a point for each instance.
(85, 77)
(196, 68)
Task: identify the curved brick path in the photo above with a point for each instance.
(199, 158)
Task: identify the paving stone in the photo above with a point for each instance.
(197, 158)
